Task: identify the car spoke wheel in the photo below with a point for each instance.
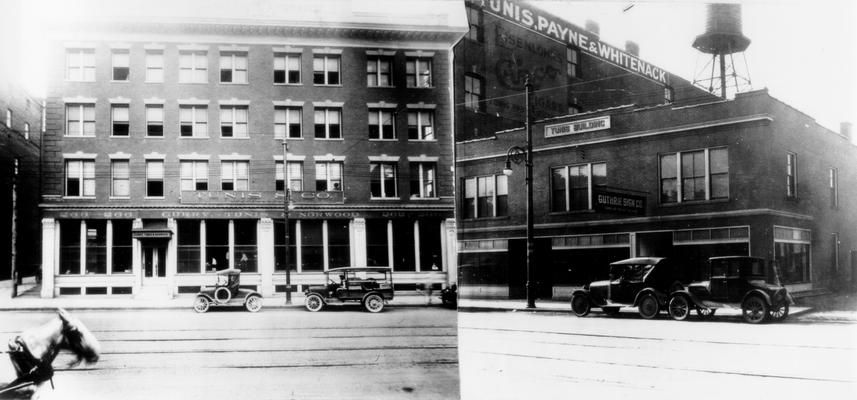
(703, 312)
(373, 303)
(754, 310)
(201, 304)
(313, 302)
(779, 312)
(649, 306)
(580, 305)
(253, 303)
(679, 307)
(611, 311)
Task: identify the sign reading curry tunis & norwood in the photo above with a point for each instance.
(580, 126)
(261, 197)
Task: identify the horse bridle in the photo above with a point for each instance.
(38, 369)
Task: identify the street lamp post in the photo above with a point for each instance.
(286, 201)
(517, 155)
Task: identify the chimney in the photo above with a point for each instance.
(592, 26)
(632, 48)
(845, 130)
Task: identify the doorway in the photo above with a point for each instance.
(154, 263)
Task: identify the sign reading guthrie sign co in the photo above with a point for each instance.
(584, 125)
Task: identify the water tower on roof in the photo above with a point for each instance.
(723, 38)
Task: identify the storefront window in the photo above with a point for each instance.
(96, 246)
(216, 244)
(403, 245)
(122, 249)
(188, 246)
(792, 261)
(280, 248)
(312, 245)
(376, 243)
(245, 245)
(430, 247)
(69, 247)
(338, 243)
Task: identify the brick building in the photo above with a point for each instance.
(163, 158)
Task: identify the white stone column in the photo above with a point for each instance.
(632, 241)
(325, 250)
(358, 241)
(202, 242)
(50, 255)
(231, 252)
(137, 257)
(450, 254)
(172, 257)
(83, 247)
(390, 251)
(109, 241)
(265, 254)
(417, 255)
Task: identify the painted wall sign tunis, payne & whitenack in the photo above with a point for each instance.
(584, 125)
(261, 197)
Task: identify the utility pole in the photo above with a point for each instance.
(531, 290)
(286, 201)
(14, 228)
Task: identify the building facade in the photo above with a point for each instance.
(164, 153)
(749, 176)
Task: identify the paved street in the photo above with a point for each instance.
(514, 355)
(406, 352)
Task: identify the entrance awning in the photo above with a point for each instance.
(144, 233)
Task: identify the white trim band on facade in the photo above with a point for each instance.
(79, 155)
(288, 50)
(327, 50)
(193, 156)
(154, 156)
(154, 100)
(119, 156)
(382, 104)
(79, 45)
(154, 46)
(419, 54)
(329, 157)
(193, 101)
(381, 52)
(119, 100)
(193, 47)
(234, 48)
(328, 103)
(423, 158)
(384, 158)
(422, 106)
(288, 103)
(234, 102)
(292, 157)
(234, 157)
(79, 99)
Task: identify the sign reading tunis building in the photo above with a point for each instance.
(580, 126)
(261, 197)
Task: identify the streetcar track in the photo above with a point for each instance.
(266, 338)
(275, 366)
(246, 351)
(301, 328)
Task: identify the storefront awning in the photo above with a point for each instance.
(151, 233)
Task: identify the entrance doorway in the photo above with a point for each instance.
(154, 263)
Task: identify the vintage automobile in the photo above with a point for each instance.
(643, 282)
(734, 282)
(227, 292)
(371, 286)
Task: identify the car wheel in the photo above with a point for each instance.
(373, 303)
(580, 305)
(754, 309)
(253, 303)
(679, 307)
(313, 302)
(222, 295)
(610, 311)
(201, 304)
(779, 312)
(706, 313)
(676, 286)
(649, 306)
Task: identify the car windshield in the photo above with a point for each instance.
(737, 267)
(632, 272)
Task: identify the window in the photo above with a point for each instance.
(80, 178)
(669, 94)
(119, 115)
(194, 121)
(233, 67)
(80, 119)
(194, 175)
(792, 254)
(418, 72)
(193, 67)
(572, 186)
(834, 188)
(338, 243)
(233, 122)
(834, 247)
(791, 175)
(296, 176)
(122, 250)
(423, 180)
(120, 178)
(312, 245)
(70, 246)
(421, 125)
(234, 175)
(155, 120)
(287, 68)
(121, 61)
(404, 252)
(189, 242)
(325, 70)
(382, 180)
(485, 196)
(80, 64)
(8, 121)
(244, 248)
(572, 62)
(695, 175)
(473, 92)
(216, 244)
(96, 246)
(327, 123)
(154, 66)
(155, 178)
(474, 19)
(381, 124)
(377, 252)
(328, 176)
(574, 109)
(287, 120)
(280, 247)
(26, 130)
(379, 71)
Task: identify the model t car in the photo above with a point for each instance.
(227, 292)
(734, 282)
(643, 282)
(370, 286)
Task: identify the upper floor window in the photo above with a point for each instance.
(80, 178)
(8, 121)
(155, 120)
(791, 175)
(486, 196)
(26, 130)
(474, 19)
(193, 121)
(121, 65)
(423, 176)
(194, 175)
(325, 70)
(287, 120)
(193, 67)
(233, 121)
(120, 176)
(80, 65)
(328, 176)
(327, 123)
(379, 71)
(669, 94)
(418, 72)
(572, 186)
(233, 67)
(119, 116)
(296, 176)
(381, 124)
(695, 175)
(80, 119)
(473, 95)
(421, 125)
(155, 178)
(287, 68)
(382, 180)
(154, 66)
(572, 62)
(834, 187)
(234, 175)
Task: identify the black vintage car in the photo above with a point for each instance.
(370, 286)
(734, 282)
(227, 292)
(643, 282)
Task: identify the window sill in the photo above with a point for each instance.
(79, 81)
(425, 198)
(385, 198)
(234, 138)
(338, 85)
(693, 203)
(499, 218)
(331, 139)
(194, 83)
(155, 137)
(234, 83)
(288, 84)
(154, 198)
(421, 87)
(120, 136)
(380, 87)
(572, 212)
(122, 81)
(78, 197)
(423, 140)
(119, 198)
(290, 138)
(384, 140)
(79, 136)
(153, 81)
(194, 137)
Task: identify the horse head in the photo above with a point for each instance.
(78, 339)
